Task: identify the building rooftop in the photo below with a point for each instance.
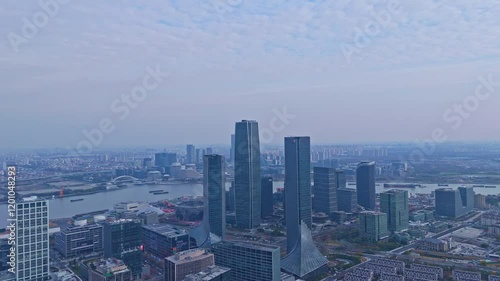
(165, 229)
(110, 266)
(208, 274)
(188, 256)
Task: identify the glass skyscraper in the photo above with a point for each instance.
(365, 185)
(325, 190)
(32, 240)
(214, 192)
(454, 202)
(298, 203)
(247, 174)
(395, 204)
(190, 154)
(267, 196)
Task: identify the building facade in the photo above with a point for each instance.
(365, 185)
(248, 262)
(373, 225)
(267, 197)
(80, 240)
(214, 192)
(190, 154)
(347, 200)
(454, 203)
(182, 264)
(163, 240)
(32, 240)
(340, 179)
(212, 273)
(247, 174)
(122, 240)
(395, 204)
(109, 270)
(325, 190)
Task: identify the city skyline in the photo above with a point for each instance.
(246, 73)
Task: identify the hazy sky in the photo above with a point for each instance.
(239, 59)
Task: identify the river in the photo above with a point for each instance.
(64, 208)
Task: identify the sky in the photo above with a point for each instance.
(175, 72)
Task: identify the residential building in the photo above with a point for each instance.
(461, 275)
(247, 176)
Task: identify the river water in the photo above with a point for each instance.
(64, 208)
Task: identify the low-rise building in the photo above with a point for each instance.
(432, 244)
(461, 275)
(412, 274)
(178, 266)
(428, 268)
(391, 277)
(109, 270)
(212, 273)
(354, 277)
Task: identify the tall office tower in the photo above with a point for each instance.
(454, 203)
(190, 154)
(209, 151)
(214, 192)
(395, 204)
(325, 190)
(198, 156)
(163, 240)
(165, 160)
(232, 148)
(298, 203)
(247, 174)
(340, 179)
(122, 240)
(147, 163)
(347, 200)
(365, 185)
(373, 225)
(230, 206)
(32, 240)
(303, 260)
(248, 262)
(178, 266)
(76, 241)
(267, 197)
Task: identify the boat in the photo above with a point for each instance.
(75, 200)
(154, 191)
(400, 185)
(490, 186)
(162, 192)
(442, 184)
(478, 185)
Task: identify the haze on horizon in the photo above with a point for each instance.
(234, 60)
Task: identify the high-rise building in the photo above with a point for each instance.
(214, 191)
(347, 200)
(373, 225)
(163, 240)
(190, 154)
(340, 179)
(298, 203)
(147, 163)
(32, 240)
(122, 240)
(212, 273)
(198, 156)
(365, 185)
(230, 206)
(148, 217)
(454, 203)
(247, 174)
(231, 153)
(178, 266)
(79, 240)
(480, 201)
(209, 151)
(395, 204)
(325, 190)
(165, 160)
(267, 196)
(303, 259)
(248, 262)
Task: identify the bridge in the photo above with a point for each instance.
(123, 179)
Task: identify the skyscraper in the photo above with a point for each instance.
(247, 174)
(454, 202)
(267, 196)
(214, 192)
(373, 225)
(298, 203)
(165, 160)
(365, 185)
(190, 154)
(303, 259)
(347, 199)
(231, 153)
(395, 204)
(32, 240)
(340, 179)
(122, 240)
(325, 190)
